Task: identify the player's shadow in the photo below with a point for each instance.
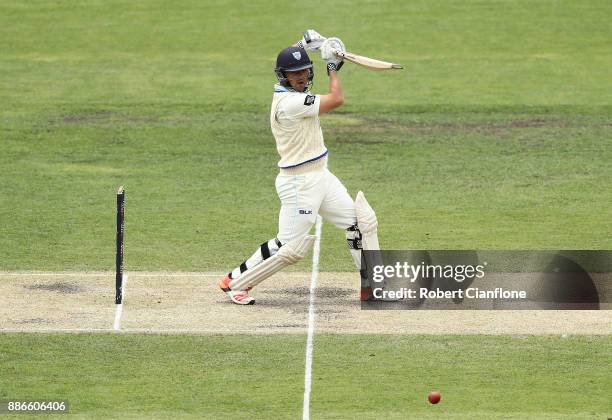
(565, 284)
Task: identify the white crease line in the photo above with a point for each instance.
(132, 274)
(56, 274)
(152, 331)
(119, 306)
(511, 333)
(55, 330)
(311, 320)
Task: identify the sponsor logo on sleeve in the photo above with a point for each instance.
(310, 99)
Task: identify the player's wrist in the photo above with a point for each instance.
(333, 67)
(330, 67)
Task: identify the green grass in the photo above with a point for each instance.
(465, 180)
(496, 135)
(354, 376)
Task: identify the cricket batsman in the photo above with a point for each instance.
(305, 187)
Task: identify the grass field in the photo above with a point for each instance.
(496, 135)
(356, 376)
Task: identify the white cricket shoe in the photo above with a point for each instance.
(239, 297)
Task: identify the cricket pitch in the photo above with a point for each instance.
(192, 303)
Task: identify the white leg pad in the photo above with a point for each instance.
(367, 222)
(288, 254)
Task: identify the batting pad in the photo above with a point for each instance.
(367, 222)
(288, 254)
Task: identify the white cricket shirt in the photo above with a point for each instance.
(294, 119)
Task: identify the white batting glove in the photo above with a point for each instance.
(311, 40)
(327, 48)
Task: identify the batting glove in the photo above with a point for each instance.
(311, 40)
(327, 51)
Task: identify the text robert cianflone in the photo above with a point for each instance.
(469, 293)
(412, 272)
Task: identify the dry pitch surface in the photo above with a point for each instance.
(192, 303)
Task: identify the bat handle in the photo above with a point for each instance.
(337, 53)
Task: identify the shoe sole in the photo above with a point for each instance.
(228, 292)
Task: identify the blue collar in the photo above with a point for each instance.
(279, 88)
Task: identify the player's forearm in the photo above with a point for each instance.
(335, 87)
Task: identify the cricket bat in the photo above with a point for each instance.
(369, 63)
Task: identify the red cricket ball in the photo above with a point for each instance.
(434, 397)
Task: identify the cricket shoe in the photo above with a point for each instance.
(366, 294)
(239, 297)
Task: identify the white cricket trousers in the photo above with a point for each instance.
(307, 194)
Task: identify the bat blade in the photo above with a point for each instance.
(367, 62)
